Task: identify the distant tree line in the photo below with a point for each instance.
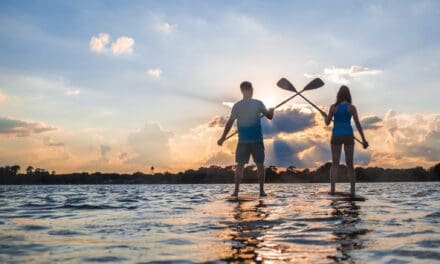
(217, 174)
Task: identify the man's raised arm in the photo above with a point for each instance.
(267, 113)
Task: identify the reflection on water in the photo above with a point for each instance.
(251, 240)
(247, 231)
(400, 222)
(347, 234)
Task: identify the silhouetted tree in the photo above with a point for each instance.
(15, 169)
(29, 170)
(291, 168)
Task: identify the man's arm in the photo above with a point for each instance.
(267, 113)
(270, 113)
(226, 131)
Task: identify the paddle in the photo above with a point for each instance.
(286, 85)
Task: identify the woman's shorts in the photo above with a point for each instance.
(344, 139)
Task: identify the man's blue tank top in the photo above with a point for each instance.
(342, 118)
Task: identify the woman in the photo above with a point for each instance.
(342, 134)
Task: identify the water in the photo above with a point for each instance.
(399, 223)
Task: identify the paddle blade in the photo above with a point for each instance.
(314, 84)
(283, 83)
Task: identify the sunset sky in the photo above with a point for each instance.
(119, 86)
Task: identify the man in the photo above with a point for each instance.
(250, 137)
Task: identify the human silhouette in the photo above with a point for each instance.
(250, 137)
(342, 134)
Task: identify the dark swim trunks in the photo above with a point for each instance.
(244, 150)
(343, 139)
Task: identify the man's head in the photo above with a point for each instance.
(246, 89)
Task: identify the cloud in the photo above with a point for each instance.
(123, 156)
(166, 27)
(371, 122)
(21, 128)
(151, 146)
(123, 45)
(155, 72)
(51, 142)
(99, 43)
(218, 121)
(73, 92)
(298, 137)
(228, 104)
(221, 157)
(344, 75)
(104, 151)
(288, 120)
(102, 44)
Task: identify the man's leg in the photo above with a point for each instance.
(336, 154)
(238, 176)
(258, 156)
(261, 176)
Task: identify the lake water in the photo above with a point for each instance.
(398, 223)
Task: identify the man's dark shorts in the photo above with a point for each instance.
(244, 150)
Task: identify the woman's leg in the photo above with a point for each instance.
(349, 151)
(336, 154)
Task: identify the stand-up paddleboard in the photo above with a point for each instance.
(343, 196)
(245, 197)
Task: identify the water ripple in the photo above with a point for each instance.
(398, 223)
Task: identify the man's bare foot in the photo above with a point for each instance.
(263, 193)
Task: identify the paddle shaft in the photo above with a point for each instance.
(322, 112)
(277, 106)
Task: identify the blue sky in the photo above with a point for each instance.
(187, 57)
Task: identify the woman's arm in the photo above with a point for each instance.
(328, 118)
(353, 112)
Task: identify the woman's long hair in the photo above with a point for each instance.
(343, 95)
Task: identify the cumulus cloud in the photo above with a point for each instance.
(73, 92)
(220, 157)
(416, 136)
(151, 146)
(371, 122)
(102, 44)
(288, 120)
(218, 121)
(155, 72)
(344, 75)
(298, 137)
(21, 128)
(123, 45)
(99, 43)
(123, 156)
